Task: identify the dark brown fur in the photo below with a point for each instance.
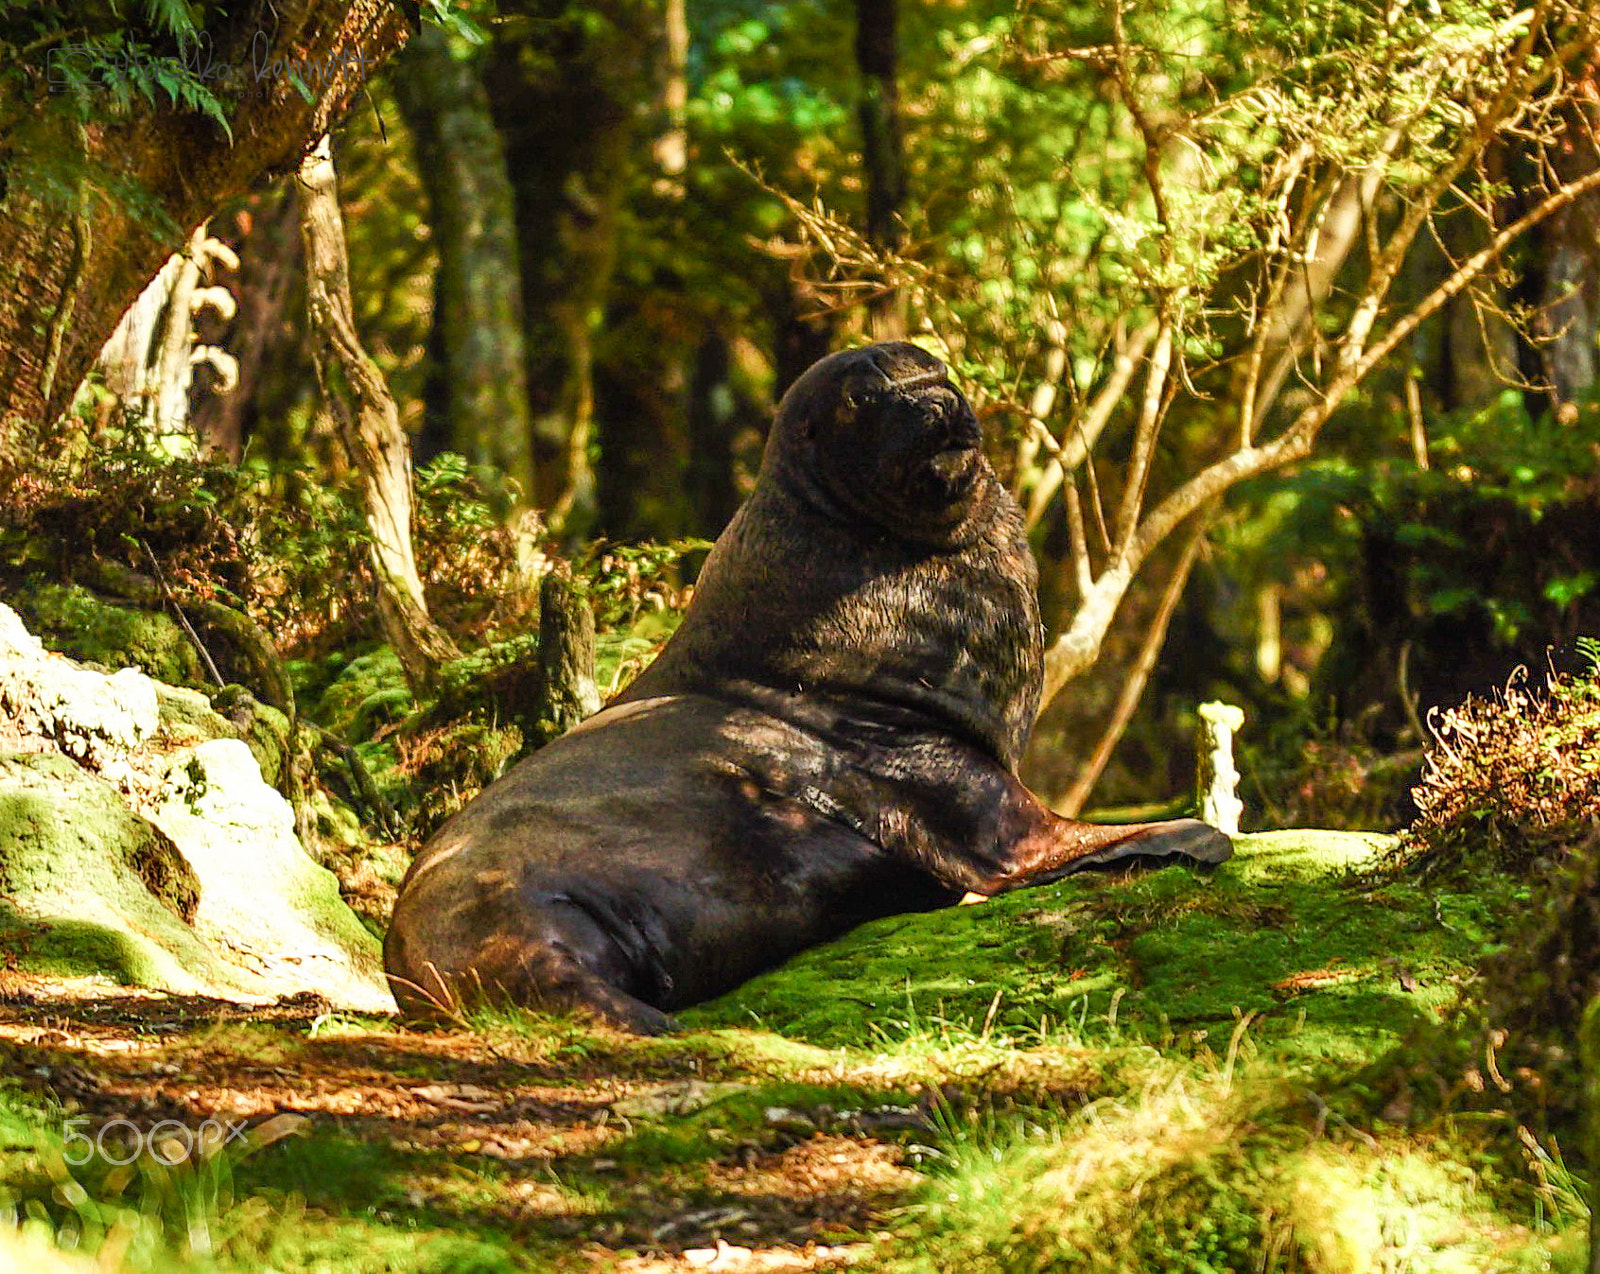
(831, 736)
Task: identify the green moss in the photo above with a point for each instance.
(91, 888)
(1204, 1173)
(188, 716)
(1098, 1100)
(370, 690)
(1281, 933)
(72, 620)
(264, 729)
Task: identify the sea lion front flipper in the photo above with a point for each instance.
(1026, 844)
(1181, 838)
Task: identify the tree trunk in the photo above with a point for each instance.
(565, 85)
(566, 654)
(369, 428)
(882, 146)
(672, 146)
(716, 418)
(1567, 250)
(266, 238)
(70, 269)
(477, 317)
(1135, 677)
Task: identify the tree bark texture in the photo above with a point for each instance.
(672, 146)
(568, 692)
(70, 268)
(482, 391)
(369, 426)
(1565, 251)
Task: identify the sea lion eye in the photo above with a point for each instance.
(859, 392)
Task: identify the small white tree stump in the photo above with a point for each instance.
(1218, 779)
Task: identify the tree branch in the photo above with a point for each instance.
(1133, 684)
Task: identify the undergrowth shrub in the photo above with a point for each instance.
(291, 552)
(1331, 779)
(1512, 786)
(1536, 988)
(1512, 780)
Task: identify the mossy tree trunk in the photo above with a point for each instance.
(71, 265)
(478, 393)
(369, 426)
(566, 654)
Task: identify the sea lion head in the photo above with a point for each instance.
(879, 435)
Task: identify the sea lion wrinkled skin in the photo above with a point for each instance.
(831, 736)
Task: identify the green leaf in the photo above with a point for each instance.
(1569, 588)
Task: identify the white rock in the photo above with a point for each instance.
(92, 717)
(16, 642)
(261, 898)
(266, 909)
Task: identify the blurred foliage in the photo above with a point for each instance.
(1406, 584)
(1031, 246)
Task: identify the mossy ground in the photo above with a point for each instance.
(1151, 1073)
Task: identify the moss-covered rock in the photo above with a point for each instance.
(73, 621)
(1277, 933)
(262, 898)
(139, 841)
(50, 701)
(189, 717)
(88, 887)
(263, 729)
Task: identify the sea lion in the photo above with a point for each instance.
(831, 736)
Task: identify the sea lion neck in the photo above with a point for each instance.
(835, 598)
(844, 630)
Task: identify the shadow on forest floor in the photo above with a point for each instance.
(932, 1091)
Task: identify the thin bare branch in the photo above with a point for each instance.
(1078, 542)
(1139, 674)
(1085, 428)
(1146, 431)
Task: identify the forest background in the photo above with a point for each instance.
(1303, 300)
(382, 371)
(1281, 320)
